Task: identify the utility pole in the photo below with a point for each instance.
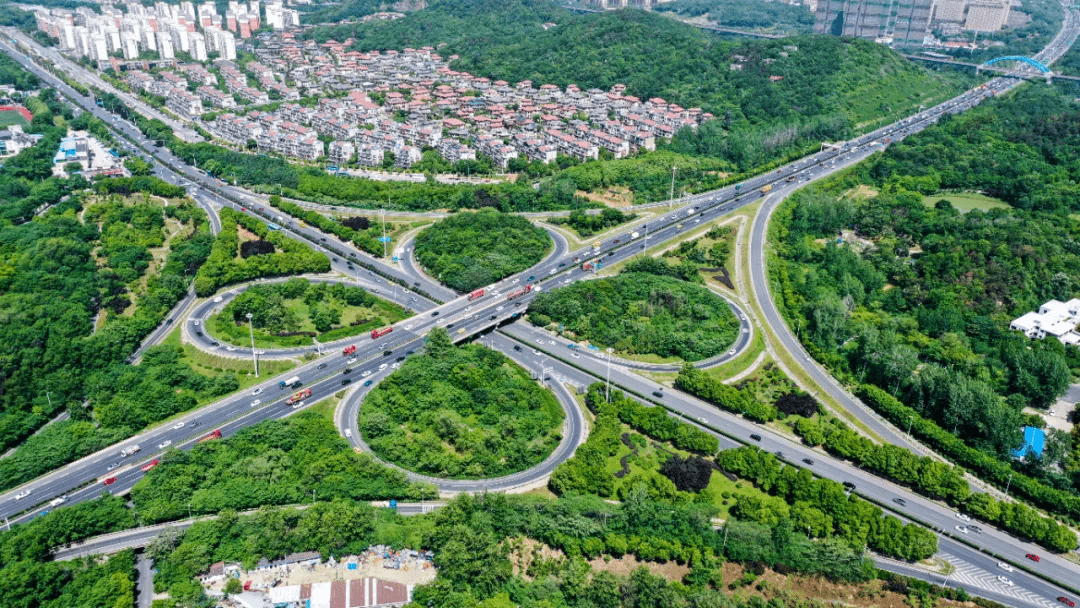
(318, 345)
(1009, 483)
(251, 332)
(909, 420)
(383, 211)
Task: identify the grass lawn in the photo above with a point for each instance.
(380, 314)
(967, 201)
(213, 365)
(11, 117)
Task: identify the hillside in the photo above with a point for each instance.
(655, 56)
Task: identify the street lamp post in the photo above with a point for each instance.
(251, 332)
(1007, 484)
(383, 212)
(909, 420)
(607, 392)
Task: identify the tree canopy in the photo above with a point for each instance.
(470, 250)
(461, 412)
(640, 313)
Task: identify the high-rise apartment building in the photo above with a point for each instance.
(900, 21)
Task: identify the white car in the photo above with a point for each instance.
(348, 433)
(365, 374)
(218, 300)
(298, 405)
(539, 341)
(351, 361)
(1005, 567)
(164, 444)
(575, 355)
(256, 403)
(382, 367)
(499, 308)
(408, 327)
(395, 366)
(256, 392)
(961, 529)
(1005, 581)
(196, 322)
(56, 502)
(516, 281)
(22, 495)
(178, 425)
(551, 342)
(552, 271)
(963, 517)
(230, 348)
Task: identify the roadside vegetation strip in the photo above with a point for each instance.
(461, 412)
(470, 250)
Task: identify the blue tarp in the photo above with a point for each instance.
(1034, 439)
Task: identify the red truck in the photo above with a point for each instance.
(519, 293)
(300, 396)
(153, 463)
(479, 293)
(212, 436)
(348, 350)
(378, 333)
(587, 266)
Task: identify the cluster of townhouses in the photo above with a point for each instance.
(133, 30)
(404, 101)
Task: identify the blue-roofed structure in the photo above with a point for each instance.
(1034, 440)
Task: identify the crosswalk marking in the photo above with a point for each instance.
(972, 576)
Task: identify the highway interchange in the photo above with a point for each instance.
(533, 348)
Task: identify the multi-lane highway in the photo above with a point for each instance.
(464, 318)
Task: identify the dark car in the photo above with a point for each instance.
(400, 359)
(192, 425)
(322, 366)
(323, 239)
(435, 313)
(517, 348)
(199, 333)
(808, 461)
(215, 344)
(779, 454)
(367, 383)
(755, 437)
(610, 253)
(408, 352)
(849, 485)
(491, 318)
(347, 370)
(346, 381)
(450, 326)
(387, 353)
(531, 278)
(900, 501)
(658, 394)
(617, 241)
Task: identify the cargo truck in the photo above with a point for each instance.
(153, 463)
(129, 451)
(766, 188)
(348, 350)
(300, 396)
(289, 382)
(211, 437)
(479, 293)
(378, 333)
(519, 293)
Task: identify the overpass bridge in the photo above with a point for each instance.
(1040, 69)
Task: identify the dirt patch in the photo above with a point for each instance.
(525, 551)
(626, 565)
(616, 196)
(246, 235)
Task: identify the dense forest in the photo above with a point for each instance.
(470, 250)
(639, 313)
(276, 462)
(917, 300)
(461, 412)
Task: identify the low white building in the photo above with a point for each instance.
(1057, 319)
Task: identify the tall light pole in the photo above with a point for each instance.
(383, 212)
(607, 392)
(251, 332)
(671, 194)
(1007, 484)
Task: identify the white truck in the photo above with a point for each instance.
(129, 451)
(289, 382)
